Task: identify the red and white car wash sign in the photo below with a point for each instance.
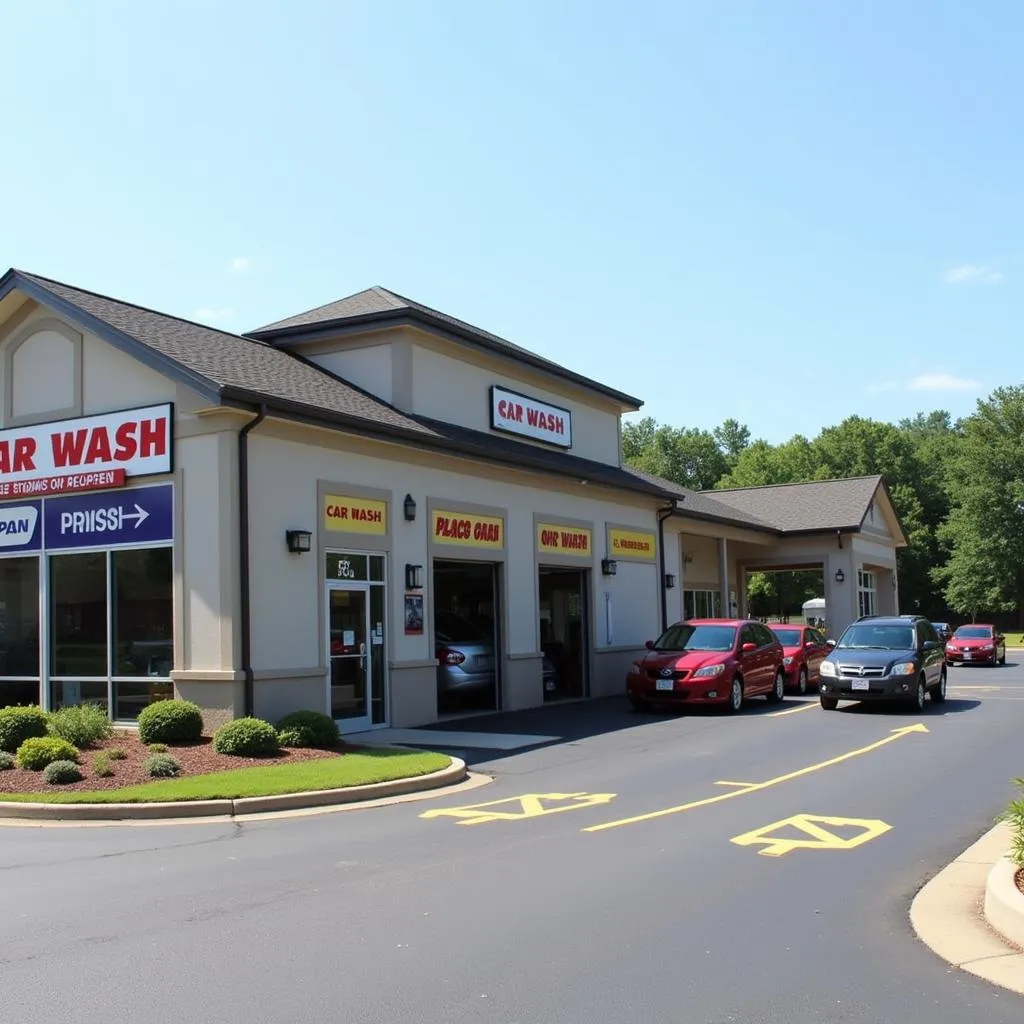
(529, 417)
(86, 454)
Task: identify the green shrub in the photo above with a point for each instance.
(81, 724)
(6, 760)
(60, 773)
(18, 724)
(116, 754)
(170, 721)
(308, 729)
(158, 748)
(103, 764)
(160, 766)
(1014, 817)
(246, 737)
(39, 751)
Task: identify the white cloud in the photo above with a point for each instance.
(968, 273)
(881, 386)
(241, 264)
(943, 382)
(205, 314)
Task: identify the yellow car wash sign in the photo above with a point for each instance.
(574, 541)
(355, 515)
(463, 529)
(631, 544)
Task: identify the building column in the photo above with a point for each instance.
(723, 575)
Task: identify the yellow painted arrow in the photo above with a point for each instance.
(754, 787)
(529, 805)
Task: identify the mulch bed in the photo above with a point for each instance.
(195, 759)
(1019, 879)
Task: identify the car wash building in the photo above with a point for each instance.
(371, 509)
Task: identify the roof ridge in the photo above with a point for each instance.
(795, 483)
(145, 309)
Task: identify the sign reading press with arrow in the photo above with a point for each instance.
(140, 515)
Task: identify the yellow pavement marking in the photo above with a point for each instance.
(530, 805)
(973, 686)
(744, 785)
(818, 838)
(755, 787)
(793, 711)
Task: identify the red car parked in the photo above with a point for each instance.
(803, 649)
(708, 661)
(983, 645)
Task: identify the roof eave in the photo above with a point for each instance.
(414, 317)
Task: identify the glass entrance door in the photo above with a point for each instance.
(350, 673)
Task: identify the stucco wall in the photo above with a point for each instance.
(369, 368)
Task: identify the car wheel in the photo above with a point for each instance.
(829, 703)
(1002, 660)
(801, 683)
(917, 701)
(736, 695)
(939, 692)
(778, 690)
(639, 705)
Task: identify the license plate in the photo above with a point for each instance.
(860, 684)
(666, 684)
(968, 657)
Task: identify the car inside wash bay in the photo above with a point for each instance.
(369, 508)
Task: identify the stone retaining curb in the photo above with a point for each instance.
(1004, 902)
(455, 772)
(948, 915)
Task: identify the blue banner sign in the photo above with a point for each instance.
(21, 527)
(140, 515)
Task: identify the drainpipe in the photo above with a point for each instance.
(663, 514)
(245, 592)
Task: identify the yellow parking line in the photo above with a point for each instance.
(742, 785)
(793, 711)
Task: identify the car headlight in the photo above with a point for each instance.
(709, 670)
(788, 661)
(634, 669)
(987, 647)
(903, 668)
(827, 669)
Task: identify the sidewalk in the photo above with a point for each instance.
(947, 916)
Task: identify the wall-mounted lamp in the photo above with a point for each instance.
(840, 576)
(409, 507)
(609, 567)
(670, 581)
(413, 577)
(298, 541)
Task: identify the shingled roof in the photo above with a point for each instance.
(379, 307)
(813, 507)
(231, 369)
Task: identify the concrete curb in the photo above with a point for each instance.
(455, 773)
(1004, 902)
(948, 918)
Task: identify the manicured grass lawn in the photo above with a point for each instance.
(358, 769)
(1014, 639)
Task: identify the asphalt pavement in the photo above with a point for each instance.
(667, 868)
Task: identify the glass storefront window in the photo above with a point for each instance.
(19, 631)
(78, 603)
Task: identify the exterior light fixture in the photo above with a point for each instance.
(840, 576)
(413, 577)
(609, 567)
(670, 581)
(409, 506)
(298, 541)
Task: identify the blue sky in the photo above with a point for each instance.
(782, 212)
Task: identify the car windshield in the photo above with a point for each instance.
(788, 637)
(877, 637)
(685, 636)
(973, 633)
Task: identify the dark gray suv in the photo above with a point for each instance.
(885, 658)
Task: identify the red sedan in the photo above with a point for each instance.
(982, 645)
(708, 661)
(803, 649)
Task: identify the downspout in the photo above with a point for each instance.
(663, 513)
(245, 592)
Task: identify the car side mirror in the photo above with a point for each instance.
(649, 645)
(830, 643)
(810, 643)
(929, 645)
(748, 648)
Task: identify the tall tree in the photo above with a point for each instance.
(732, 437)
(986, 524)
(688, 457)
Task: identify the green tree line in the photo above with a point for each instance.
(958, 488)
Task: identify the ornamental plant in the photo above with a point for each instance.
(246, 737)
(82, 725)
(161, 766)
(308, 729)
(6, 760)
(1014, 817)
(170, 721)
(61, 773)
(39, 751)
(18, 724)
(103, 764)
